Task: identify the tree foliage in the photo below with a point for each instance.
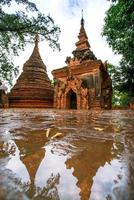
(19, 28)
(119, 32)
(118, 97)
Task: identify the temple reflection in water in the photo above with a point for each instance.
(83, 163)
(46, 170)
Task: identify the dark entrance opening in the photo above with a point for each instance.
(72, 100)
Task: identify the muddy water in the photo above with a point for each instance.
(66, 155)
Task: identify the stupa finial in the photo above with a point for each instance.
(36, 39)
(82, 20)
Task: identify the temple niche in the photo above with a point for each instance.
(33, 87)
(84, 83)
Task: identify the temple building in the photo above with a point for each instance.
(84, 83)
(33, 87)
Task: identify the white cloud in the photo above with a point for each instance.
(67, 15)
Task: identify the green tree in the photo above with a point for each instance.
(119, 32)
(118, 97)
(19, 28)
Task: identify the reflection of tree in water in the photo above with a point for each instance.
(13, 188)
(10, 187)
(129, 156)
(49, 192)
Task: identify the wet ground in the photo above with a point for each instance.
(66, 155)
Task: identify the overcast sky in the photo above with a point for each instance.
(67, 15)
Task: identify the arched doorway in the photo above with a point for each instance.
(71, 100)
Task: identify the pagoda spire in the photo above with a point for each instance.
(37, 40)
(35, 58)
(83, 39)
(83, 51)
(82, 19)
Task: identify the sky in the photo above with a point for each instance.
(67, 15)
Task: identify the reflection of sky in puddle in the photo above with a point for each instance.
(53, 163)
(106, 179)
(16, 165)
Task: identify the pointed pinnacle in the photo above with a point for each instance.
(82, 20)
(36, 39)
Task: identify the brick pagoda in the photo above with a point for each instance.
(33, 87)
(84, 83)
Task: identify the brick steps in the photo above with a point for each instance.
(96, 105)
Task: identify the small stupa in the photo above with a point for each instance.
(33, 87)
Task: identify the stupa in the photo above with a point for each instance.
(84, 83)
(33, 87)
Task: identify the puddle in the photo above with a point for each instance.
(58, 154)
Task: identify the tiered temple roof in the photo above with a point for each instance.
(33, 87)
(83, 50)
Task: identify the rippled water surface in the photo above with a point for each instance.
(66, 155)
